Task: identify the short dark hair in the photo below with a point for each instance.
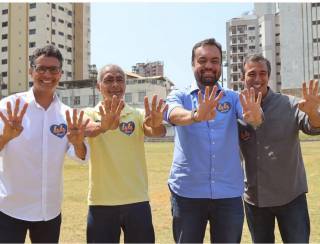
(255, 58)
(47, 51)
(209, 41)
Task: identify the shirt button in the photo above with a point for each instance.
(213, 143)
(258, 157)
(258, 142)
(212, 181)
(213, 156)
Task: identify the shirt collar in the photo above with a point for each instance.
(31, 98)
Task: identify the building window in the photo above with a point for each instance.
(316, 58)
(69, 61)
(141, 96)
(53, 19)
(65, 100)
(5, 11)
(69, 49)
(4, 49)
(279, 63)
(4, 36)
(61, 21)
(252, 47)
(70, 12)
(277, 44)
(5, 24)
(53, 31)
(69, 74)
(4, 61)
(76, 100)
(251, 28)
(32, 18)
(53, 6)
(60, 46)
(69, 25)
(61, 8)
(32, 31)
(61, 33)
(277, 34)
(32, 44)
(32, 5)
(69, 37)
(4, 74)
(128, 97)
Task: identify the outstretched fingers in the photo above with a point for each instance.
(146, 105)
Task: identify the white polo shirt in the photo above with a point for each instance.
(31, 168)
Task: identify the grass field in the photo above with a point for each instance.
(159, 156)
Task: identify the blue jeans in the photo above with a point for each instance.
(105, 223)
(293, 221)
(14, 230)
(190, 217)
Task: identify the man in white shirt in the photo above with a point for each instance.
(36, 130)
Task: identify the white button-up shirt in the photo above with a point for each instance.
(31, 168)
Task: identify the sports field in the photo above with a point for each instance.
(159, 156)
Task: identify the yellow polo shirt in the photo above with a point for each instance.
(117, 170)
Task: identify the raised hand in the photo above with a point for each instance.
(154, 116)
(110, 113)
(76, 128)
(13, 121)
(310, 102)
(207, 105)
(252, 112)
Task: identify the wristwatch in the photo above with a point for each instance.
(193, 119)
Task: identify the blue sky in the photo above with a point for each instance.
(127, 33)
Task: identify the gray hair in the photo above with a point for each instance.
(103, 70)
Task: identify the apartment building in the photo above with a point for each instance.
(242, 39)
(300, 44)
(148, 69)
(289, 36)
(26, 26)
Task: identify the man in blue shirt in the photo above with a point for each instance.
(206, 178)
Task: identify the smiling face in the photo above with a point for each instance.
(207, 65)
(112, 82)
(46, 74)
(256, 76)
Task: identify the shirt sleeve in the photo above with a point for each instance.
(174, 99)
(303, 120)
(72, 154)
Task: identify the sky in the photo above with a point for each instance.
(128, 33)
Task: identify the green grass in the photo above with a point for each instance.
(159, 156)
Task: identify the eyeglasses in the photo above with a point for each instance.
(42, 69)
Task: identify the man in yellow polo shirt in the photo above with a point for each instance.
(118, 182)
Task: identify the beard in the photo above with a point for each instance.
(207, 81)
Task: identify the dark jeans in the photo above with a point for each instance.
(293, 221)
(105, 223)
(190, 217)
(14, 230)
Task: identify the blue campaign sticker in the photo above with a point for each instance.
(59, 130)
(127, 128)
(224, 107)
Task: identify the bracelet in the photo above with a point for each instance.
(193, 119)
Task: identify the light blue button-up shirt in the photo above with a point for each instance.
(206, 160)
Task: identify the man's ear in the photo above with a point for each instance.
(30, 71)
